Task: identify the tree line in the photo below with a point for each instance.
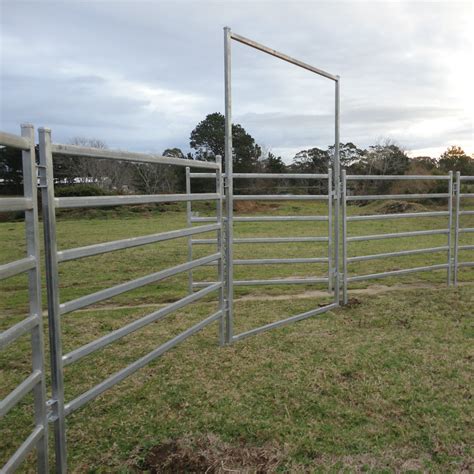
(76, 175)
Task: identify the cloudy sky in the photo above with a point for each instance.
(140, 75)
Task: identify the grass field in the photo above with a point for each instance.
(384, 384)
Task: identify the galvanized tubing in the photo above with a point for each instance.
(56, 310)
(458, 226)
(447, 231)
(32, 324)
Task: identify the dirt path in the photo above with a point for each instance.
(371, 290)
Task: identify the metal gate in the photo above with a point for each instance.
(32, 324)
(332, 198)
(56, 310)
(460, 231)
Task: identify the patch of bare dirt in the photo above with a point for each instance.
(209, 454)
(249, 207)
(400, 207)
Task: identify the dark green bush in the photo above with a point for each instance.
(79, 190)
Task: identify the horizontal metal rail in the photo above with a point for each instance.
(467, 195)
(134, 284)
(280, 197)
(466, 213)
(408, 215)
(263, 175)
(89, 152)
(406, 271)
(13, 333)
(466, 264)
(19, 392)
(15, 204)
(93, 201)
(266, 219)
(284, 322)
(18, 266)
(288, 281)
(14, 141)
(265, 240)
(275, 261)
(401, 253)
(466, 178)
(379, 197)
(113, 336)
(396, 177)
(284, 57)
(466, 247)
(124, 373)
(415, 233)
(26, 447)
(96, 249)
(466, 230)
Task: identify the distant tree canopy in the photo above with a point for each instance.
(208, 140)
(11, 171)
(455, 159)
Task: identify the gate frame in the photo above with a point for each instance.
(59, 408)
(457, 226)
(33, 324)
(229, 190)
(360, 238)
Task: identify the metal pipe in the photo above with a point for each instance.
(283, 322)
(408, 215)
(229, 188)
(401, 253)
(99, 153)
(395, 177)
(14, 332)
(102, 201)
(32, 236)
(113, 336)
(15, 204)
(344, 238)
(374, 197)
(456, 227)
(98, 249)
(330, 232)
(450, 225)
(124, 373)
(16, 395)
(415, 233)
(264, 240)
(52, 287)
(280, 197)
(10, 269)
(337, 187)
(267, 219)
(14, 141)
(189, 224)
(398, 272)
(107, 293)
(284, 57)
(288, 281)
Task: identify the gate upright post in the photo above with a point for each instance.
(450, 227)
(330, 232)
(54, 315)
(229, 190)
(189, 223)
(344, 237)
(456, 226)
(34, 283)
(337, 187)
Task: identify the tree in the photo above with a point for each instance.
(208, 139)
(314, 160)
(349, 154)
(273, 164)
(455, 159)
(11, 171)
(152, 178)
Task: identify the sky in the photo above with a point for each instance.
(140, 75)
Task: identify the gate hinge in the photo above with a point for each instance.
(50, 407)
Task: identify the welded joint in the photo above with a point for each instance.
(51, 406)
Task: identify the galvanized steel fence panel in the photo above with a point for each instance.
(32, 324)
(56, 310)
(460, 230)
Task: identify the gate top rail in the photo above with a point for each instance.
(263, 175)
(397, 177)
(74, 150)
(15, 141)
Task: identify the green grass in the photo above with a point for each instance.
(383, 385)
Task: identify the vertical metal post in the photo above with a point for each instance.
(330, 232)
(220, 249)
(49, 222)
(337, 187)
(34, 284)
(189, 224)
(344, 237)
(229, 190)
(450, 225)
(456, 226)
